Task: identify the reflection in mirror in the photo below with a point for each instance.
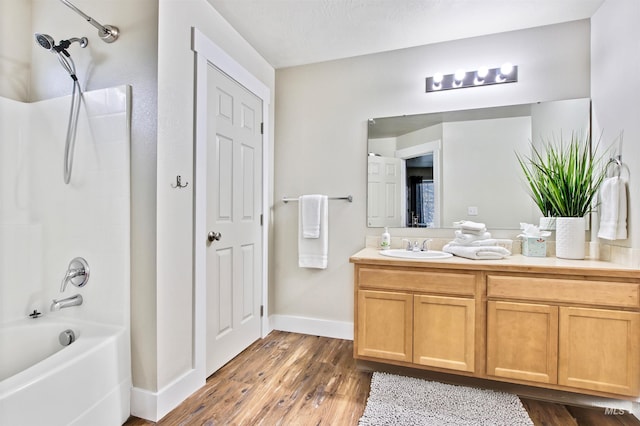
(431, 170)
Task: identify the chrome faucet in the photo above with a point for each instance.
(415, 245)
(67, 302)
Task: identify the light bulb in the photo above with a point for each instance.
(437, 78)
(482, 73)
(506, 69)
(459, 75)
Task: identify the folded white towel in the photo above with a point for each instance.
(466, 239)
(475, 243)
(469, 227)
(477, 253)
(310, 215)
(313, 252)
(613, 209)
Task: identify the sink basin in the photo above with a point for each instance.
(406, 254)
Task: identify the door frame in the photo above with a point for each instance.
(206, 51)
(434, 147)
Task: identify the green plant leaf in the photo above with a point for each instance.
(563, 178)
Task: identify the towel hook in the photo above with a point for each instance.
(179, 183)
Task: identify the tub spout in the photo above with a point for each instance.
(67, 302)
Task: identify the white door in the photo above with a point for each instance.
(234, 200)
(384, 192)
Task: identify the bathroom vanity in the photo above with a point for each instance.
(571, 325)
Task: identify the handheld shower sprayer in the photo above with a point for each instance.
(48, 43)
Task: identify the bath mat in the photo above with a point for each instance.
(398, 400)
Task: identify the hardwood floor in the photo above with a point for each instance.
(295, 379)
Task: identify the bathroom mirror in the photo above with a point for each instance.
(430, 170)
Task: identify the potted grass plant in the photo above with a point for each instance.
(564, 178)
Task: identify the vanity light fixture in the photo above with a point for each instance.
(507, 73)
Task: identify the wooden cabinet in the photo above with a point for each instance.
(522, 341)
(427, 330)
(444, 332)
(599, 350)
(593, 348)
(408, 326)
(583, 348)
(385, 324)
(571, 326)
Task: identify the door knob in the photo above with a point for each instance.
(214, 236)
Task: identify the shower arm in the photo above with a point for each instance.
(108, 33)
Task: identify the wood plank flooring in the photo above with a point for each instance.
(295, 379)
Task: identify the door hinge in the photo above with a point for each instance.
(261, 219)
(262, 128)
(261, 311)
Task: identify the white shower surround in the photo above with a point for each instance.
(45, 223)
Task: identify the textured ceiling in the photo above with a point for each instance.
(296, 32)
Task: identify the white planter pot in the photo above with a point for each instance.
(570, 238)
(547, 223)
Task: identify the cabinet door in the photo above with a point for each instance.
(522, 341)
(444, 332)
(385, 325)
(599, 350)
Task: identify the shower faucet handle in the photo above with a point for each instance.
(77, 274)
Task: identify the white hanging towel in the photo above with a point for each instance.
(310, 215)
(613, 209)
(313, 252)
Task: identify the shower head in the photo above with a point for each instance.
(46, 41)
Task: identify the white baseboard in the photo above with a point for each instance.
(155, 405)
(313, 326)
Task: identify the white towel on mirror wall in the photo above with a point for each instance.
(613, 209)
(313, 252)
(310, 215)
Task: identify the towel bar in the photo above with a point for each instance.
(349, 198)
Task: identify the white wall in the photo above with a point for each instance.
(615, 55)
(560, 120)
(175, 157)
(385, 147)
(473, 177)
(428, 134)
(321, 136)
(15, 51)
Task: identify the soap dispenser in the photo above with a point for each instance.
(385, 239)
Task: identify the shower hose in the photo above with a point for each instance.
(72, 125)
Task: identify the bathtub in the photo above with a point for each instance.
(45, 383)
